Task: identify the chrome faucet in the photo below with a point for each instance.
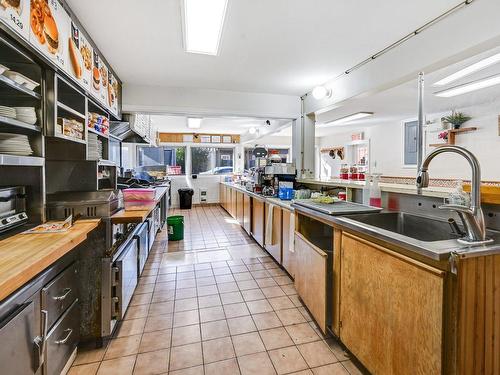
(472, 217)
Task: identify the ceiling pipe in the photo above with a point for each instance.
(420, 126)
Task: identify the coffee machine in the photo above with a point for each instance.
(269, 172)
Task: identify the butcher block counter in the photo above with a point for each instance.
(125, 217)
(23, 256)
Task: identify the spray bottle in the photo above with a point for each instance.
(375, 193)
(366, 191)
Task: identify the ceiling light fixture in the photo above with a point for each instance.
(321, 92)
(469, 87)
(203, 22)
(252, 130)
(347, 119)
(480, 65)
(194, 122)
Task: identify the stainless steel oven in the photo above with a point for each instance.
(119, 280)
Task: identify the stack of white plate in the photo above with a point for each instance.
(7, 112)
(26, 114)
(15, 144)
(94, 147)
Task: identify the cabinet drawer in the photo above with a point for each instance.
(60, 293)
(62, 340)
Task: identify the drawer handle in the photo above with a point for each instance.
(67, 291)
(65, 340)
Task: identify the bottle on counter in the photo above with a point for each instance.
(375, 193)
(459, 196)
(366, 191)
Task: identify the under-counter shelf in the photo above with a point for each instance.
(17, 125)
(22, 161)
(64, 108)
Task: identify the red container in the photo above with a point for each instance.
(344, 176)
(342, 195)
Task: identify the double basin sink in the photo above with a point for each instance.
(431, 237)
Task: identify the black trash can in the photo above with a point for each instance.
(186, 198)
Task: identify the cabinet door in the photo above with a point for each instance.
(247, 213)
(258, 221)
(288, 252)
(233, 203)
(272, 241)
(310, 278)
(222, 193)
(239, 207)
(391, 310)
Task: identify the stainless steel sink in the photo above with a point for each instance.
(413, 226)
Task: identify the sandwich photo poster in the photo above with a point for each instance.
(50, 30)
(112, 93)
(80, 57)
(16, 15)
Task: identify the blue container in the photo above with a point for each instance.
(285, 193)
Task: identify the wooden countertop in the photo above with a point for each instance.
(24, 256)
(125, 217)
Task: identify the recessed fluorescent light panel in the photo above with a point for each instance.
(480, 65)
(194, 122)
(347, 119)
(203, 21)
(469, 87)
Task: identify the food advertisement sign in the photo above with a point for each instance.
(50, 30)
(16, 14)
(79, 57)
(113, 93)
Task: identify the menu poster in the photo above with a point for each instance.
(113, 93)
(77, 67)
(85, 50)
(103, 92)
(16, 14)
(50, 30)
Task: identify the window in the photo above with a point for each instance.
(410, 143)
(212, 160)
(250, 159)
(173, 159)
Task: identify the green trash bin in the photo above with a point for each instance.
(175, 228)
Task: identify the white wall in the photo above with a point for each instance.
(155, 99)
(386, 145)
(210, 183)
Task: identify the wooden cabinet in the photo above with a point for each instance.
(239, 206)
(288, 252)
(273, 235)
(391, 311)
(222, 195)
(247, 213)
(311, 278)
(258, 221)
(233, 203)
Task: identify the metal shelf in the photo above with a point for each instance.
(68, 109)
(22, 161)
(92, 130)
(65, 137)
(16, 86)
(19, 124)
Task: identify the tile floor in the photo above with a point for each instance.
(215, 303)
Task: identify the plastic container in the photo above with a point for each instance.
(186, 198)
(139, 205)
(175, 228)
(344, 172)
(342, 195)
(138, 195)
(375, 193)
(366, 192)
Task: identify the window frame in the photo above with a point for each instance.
(214, 146)
(163, 147)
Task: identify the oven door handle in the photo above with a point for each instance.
(66, 338)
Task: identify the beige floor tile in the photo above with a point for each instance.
(157, 340)
(281, 303)
(123, 346)
(259, 306)
(227, 367)
(203, 281)
(210, 314)
(235, 310)
(248, 343)
(241, 325)
(88, 369)
(273, 291)
(303, 372)
(158, 323)
(227, 287)
(185, 356)
(141, 299)
(266, 320)
(218, 350)
(185, 293)
(209, 301)
(186, 283)
(229, 298)
(163, 296)
(161, 308)
(186, 335)
(317, 354)
(252, 295)
(302, 333)
(186, 304)
(118, 366)
(289, 290)
(247, 285)
(256, 364)
(135, 312)
(90, 355)
(207, 290)
(337, 350)
(290, 316)
(287, 360)
(144, 288)
(224, 278)
(266, 282)
(152, 363)
(276, 338)
(213, 330)
(196, 370)
(242, 276)
(130, 327)
(333, 369)
(352, 368)
(186, 318)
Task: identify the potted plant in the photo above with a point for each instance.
(457, 119)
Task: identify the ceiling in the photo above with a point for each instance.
(213, 125)
(279, 46)
(400, 103)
